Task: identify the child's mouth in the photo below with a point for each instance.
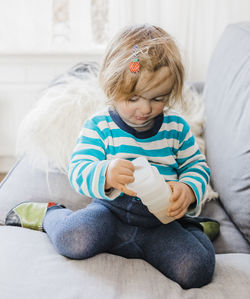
(141, 118)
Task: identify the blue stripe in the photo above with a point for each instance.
(130, 149)
(90, 152)
(180, 161)
(187, 143)
(166, 170)
(186, 128)
(79, 179)
(80, 160)
(194, 188)
(79, 171)
(173, 118)
(204, 174)
(98, 118)
(192, 164)
(203, 186)
(92, 126)
(184, 132)
(102, 180)
(90, 140)
(169, 169)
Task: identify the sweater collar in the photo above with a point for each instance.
(158, 120)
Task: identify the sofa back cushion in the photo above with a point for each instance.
(25, 183)
(227, 109)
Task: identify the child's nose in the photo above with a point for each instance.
(145, 107)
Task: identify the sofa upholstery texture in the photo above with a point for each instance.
(31, 268)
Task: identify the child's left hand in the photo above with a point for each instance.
(181, 199)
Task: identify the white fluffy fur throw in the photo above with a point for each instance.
(49, 132)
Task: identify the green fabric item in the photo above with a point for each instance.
(31, 214)
(211, 229)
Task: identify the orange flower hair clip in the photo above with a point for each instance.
(134, 65)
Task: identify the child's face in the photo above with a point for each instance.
(151, 93)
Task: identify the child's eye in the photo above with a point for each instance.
(133, 99)
(159, 99)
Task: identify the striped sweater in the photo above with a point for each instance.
(169, 146)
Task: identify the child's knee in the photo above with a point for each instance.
(76, 244)
(85, 233)
(196, 272)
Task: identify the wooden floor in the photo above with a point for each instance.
(2, 175)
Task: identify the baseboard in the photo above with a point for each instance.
(6, 163)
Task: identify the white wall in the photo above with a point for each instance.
(196, 25)
(22, 77)
(42, 27)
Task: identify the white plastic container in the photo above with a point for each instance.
(151, 188)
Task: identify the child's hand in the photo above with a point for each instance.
(119, 173)
(181, 199)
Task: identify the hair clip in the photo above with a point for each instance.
(134, 65)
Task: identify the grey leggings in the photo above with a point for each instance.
(125, 227)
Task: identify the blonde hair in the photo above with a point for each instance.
(155, 49)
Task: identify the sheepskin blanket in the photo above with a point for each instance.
(48, 133)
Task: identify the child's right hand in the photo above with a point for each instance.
(119, 173)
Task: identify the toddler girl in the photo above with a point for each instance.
(142, 76)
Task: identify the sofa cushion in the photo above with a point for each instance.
(230, 239)
(227, 108)
(31, 268)
(25, 183)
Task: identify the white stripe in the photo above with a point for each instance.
(92, 134)
(82, 146)
(192, 173)
(122, 156)
(89, 133)
(84, 157)
(188, 151)
(107, 125)
(96, 179)
(154, 145)
(188, 135)
(193, 159)
(172, 126)
(168, 160)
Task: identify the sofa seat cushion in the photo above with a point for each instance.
(31, 268)
(227, 109)
(230, 239)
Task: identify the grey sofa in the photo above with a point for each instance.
(31, 268)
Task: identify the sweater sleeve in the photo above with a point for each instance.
(88, 164)
(192, 166)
